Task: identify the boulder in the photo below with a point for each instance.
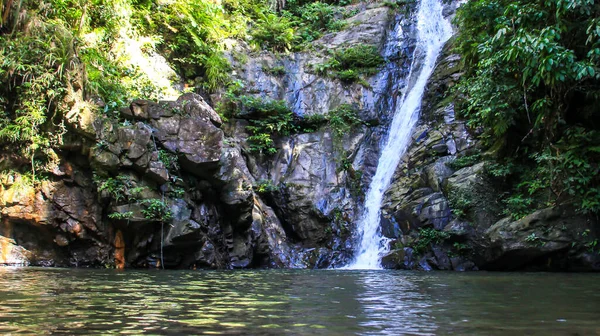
(393, 260)
(535, 239)
(12, 254)
(472, 186)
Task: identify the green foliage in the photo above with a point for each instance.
(341, 220)
(274, 71)
(397, 4)
(532, 238)
(428, 236)
(192, 33)
(55, 56)
(350, 64)
(354, 182)
(518, 205)
(121, 215)
(33, 69)
(156, 209)
(592, 246)
(464, 161)
(570, 169)
(532, 82)
(265, 186)
(174, 190)
(170, 160)
(461, 248)
(315, 18)
(295, 5)
(268, 119)
(343, 119)
(461, 202)
(299, 24)
(115, 187)
(121, 188)
(273, 32)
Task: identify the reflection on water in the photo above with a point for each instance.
(271, 302)
(389, 297)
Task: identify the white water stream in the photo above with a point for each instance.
(433, 30)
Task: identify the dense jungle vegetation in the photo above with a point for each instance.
(63, 59)
(531, 91)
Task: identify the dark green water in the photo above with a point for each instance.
(272, 302)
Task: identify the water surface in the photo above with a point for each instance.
(297, 302)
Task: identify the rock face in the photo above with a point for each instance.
(320, 177)
(552, 238)
(165, 192)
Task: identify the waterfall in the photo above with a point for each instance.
(433, 30)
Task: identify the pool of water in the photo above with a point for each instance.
(297, 302)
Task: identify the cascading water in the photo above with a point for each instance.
(433, 30)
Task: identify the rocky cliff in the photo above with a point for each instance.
(171, 184)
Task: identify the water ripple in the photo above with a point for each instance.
(295, 302)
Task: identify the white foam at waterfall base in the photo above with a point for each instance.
(433, 30)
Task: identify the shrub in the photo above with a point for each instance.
(350, 64)
(265, 186)
(120, 188)
(170, 160)
(315, 18)
(426, 237)
(275, 70)
(461, 202)
(121, 215)
(464, 161)
(343, 119)
(273, 32)
(268, 119)
(156, 209)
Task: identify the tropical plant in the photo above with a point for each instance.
(531, 86)
(350, 64)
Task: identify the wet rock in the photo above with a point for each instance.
(461, 265)
(12, 254)
(459, 229)
(131, 213)
(206, 256)
(393, 260)
(236, 191)
(389, 226)
(440, 148)
(144, 109)
(308, 179)
(439, 260)
(472, 185)
(434, 210)
(407, 222)
(105, 160)
(200, 144)
(183, 232)
(157, 171)
(409, 258)
(546, 232)
(61, 240)
(438, 172)
(424, 265)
